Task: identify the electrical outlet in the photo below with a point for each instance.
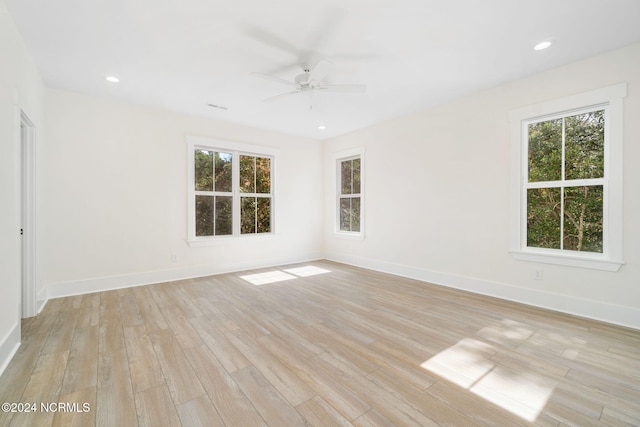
(174, 258)
(538, 275)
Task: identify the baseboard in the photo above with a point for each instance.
(596, 310)
(9, 346)
(99, 284)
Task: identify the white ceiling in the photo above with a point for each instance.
(185, 54)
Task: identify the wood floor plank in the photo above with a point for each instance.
(182, 329)
(474, 406)
(211, 308)
(18, 373)
(617, 418)
(129, 310)
(116, 406)
(154, 407)
(392, 407)
(143, 362)
(231, 358)
(273, 407)
(153, 318)
(319, 413)
(61, 334)
(373, 418)
(182, 300)
(339, 347)
(43, 387)
(281, 328)
(199, 412)
(87, 317)
(82, 366)
(435, 409)
(233, 406)
(179, 376)
(111, 330)
(281, 378)
(79, 409)
(348, 403)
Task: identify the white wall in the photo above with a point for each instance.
(20, 89)
(115, 197)
(437, 196)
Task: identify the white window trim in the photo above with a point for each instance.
(236, 148)
(337, 157)
(612, 258)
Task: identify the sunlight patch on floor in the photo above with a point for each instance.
(462, 364)
(307, 270)
(267, 277)
(469, 364)
(522, 394)
(281, 276)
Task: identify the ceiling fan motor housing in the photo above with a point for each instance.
(303, 80)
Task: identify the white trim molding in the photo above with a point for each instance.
(28, 179)
(611, 259)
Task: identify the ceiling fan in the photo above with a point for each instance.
(310, 81)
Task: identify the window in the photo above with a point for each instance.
(565, 183)
(350, 194)
(230, 190)
(213, 195)
(255, 199)
(567, 205)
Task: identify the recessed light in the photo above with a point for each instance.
(542, 45)
(112, 79)
(322, 127)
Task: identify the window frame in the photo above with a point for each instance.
(236, 149)
(338, 158)
(609, 99)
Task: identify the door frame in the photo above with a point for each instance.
(28, 215)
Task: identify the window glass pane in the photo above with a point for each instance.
(263, 175)
(224, 221)
(203, 170)
(583, 218)
(543, 218)
(356, 176)
(345, 214)
(264, 215)
(223, 172)
(584, 145)
(355, 214)
(204, 215)
(545, 151)
(247, 215)
(345, 177)
(247, 174)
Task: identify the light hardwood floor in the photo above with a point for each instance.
(330, 345)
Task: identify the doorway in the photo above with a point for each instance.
(28, 216)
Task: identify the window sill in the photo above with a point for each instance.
(224, 240)
(591, 262)
(349, 236)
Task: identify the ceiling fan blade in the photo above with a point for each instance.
(272, 78)
(272, 40)
(282, 95)
(344, 88)
(320, 71)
